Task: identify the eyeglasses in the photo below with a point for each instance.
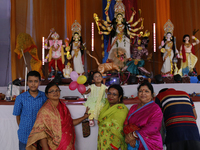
(55, 91)
(112, 94)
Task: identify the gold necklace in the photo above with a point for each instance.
(120, 28)
(76, 44)
(55, 49)
(187, 45)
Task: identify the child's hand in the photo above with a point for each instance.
(88, 91)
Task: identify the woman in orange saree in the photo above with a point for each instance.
(54, 127)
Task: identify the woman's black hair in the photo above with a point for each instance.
(150, 87)
(119, 89)
(49, 86)
(186, 35)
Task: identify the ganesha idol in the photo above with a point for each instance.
(55, 56)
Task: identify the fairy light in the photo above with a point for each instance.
(154, 37)
(43, 51)
(92, 44)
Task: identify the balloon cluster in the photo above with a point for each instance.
(77, 82)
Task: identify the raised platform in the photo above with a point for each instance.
(127, 78)
(129, 90)
(80, 102)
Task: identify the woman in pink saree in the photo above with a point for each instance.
(143, 122)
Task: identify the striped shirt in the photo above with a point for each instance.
(178, 115)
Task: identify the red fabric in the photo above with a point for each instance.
(128, 12)
(68, 132)
(59, 63)
(113, 147)
(54, 123)
(183, 52)
(28, 50)
(130, 128)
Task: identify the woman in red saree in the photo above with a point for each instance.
(143, 122)
(54, 127)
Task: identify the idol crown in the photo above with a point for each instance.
(119, 8)
(76, 27)
(168, 27)
(55, 36)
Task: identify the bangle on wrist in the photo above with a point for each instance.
(135, 135)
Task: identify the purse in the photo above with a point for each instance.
(85, 128)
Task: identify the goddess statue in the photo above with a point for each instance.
(77, 48)
(119, 29)
(55, 56)
(187, 54)
(67, 70)
(168, 49)
(136, 64)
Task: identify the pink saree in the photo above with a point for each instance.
(55, 124)
(148, 119)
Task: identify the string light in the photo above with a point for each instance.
(43, 51)
(154, 37)
(92, 44)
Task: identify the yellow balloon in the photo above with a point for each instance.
(81, 79)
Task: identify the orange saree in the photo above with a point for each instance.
(55, 124)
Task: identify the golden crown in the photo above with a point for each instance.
(76, 27)
(55, 36)
(119, 8)
(168, 27)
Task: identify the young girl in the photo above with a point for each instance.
(96, 99)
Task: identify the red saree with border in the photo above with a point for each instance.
(55, 124)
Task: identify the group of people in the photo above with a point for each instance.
(45, 121)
